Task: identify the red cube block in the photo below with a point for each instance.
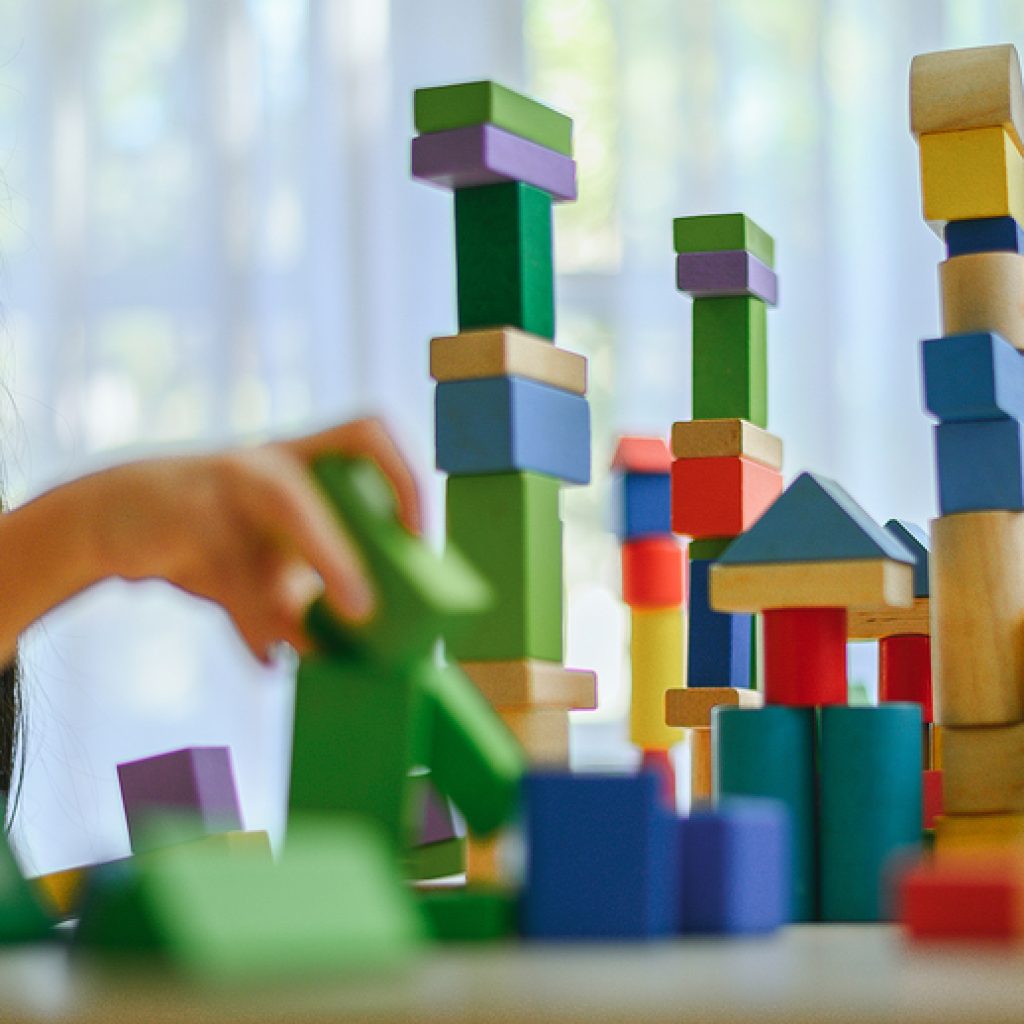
(905, 671)
(931, 792)
(805, 656)
(654, 571)
(721, 497)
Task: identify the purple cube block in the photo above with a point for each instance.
(485, 155)
(436, 821)
(195, 784)
(706, 275)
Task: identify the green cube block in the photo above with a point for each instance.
(508, 527)
(503, 248)
(444, 107)
(723, 232)
(470, 914)
(730, 359)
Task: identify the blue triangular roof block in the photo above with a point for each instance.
(916, 541)
(814, 520)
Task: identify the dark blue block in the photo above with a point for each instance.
(979, 466)
(512, 425)
(970, 377)
(643, 505)
(735, 863)
(602, 858)
(993, 234)
(718, 651)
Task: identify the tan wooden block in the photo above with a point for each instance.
(979, 833)
(937, 748)
(984, 291)
(863, 583)
(485, 860)
(878, 623)
(710, 439)
(542, 732)
(984, 769)
(533, 683)
(977, 87)
(691, 708)
(657, 650)
(977, 594)
(700, 765)
(507, 352)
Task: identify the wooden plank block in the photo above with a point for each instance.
(482, 155)
(532, 683)
(970, 377)
(874, 624)
(512, 425)
(717, 232)
(980, 466)
(721, 497)
(656, 649)
(989, 234)
(730, 272)
(719, 649)
(983, 769)
(905, 671)
(978, 618)
(635, 454)
(470, 914)
(870, 804)
(709, 439)
(979, 833)
(654, 573)
(701, 766)
(643, 505)
(984, 292)
(443, 107)
(542, 732)
(690, 708)
(805, 656)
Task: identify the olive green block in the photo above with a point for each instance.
(437, 860)
(470, 914)
(22, 917)
(870, 804)
(504, 261)
(709, 549)
(723, 232)
(443, 107)
(730, 359)
(507, 526)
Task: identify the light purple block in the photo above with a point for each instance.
(195, 783)
(437, 824)
(483, 154)
(720, 274)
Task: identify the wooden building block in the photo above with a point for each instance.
(505, 274)
(507, 526)
(471, 913)
(641, 455)
(507, 352)
(690, 708)
(979, 833)
(771, 752)
(970, 377)
(654, 573)
(721, 497)
(870, 804)
(61, 892)
(916, 541)
(482, 155)
(720, 643)
(730, 360)
(730, 272)
(978, 617)
(936, 738)
(805, 656)
(528, 683)
(643, 505)
(542, 732)
(980, 466)
(701, 766)
(984, 292)
(983, 769)
(443, 107)
(874, 624)
(905, 671)
(512, 425)
(931, 795)
(989, 234)
(656, 650)
(718, 232)
(710, 439)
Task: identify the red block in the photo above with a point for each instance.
(721, 497)
(654, 573)
(642, 455)
(659, 762)
(805, 656)
(931, 791)
(905, 671)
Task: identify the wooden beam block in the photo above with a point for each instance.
(532, 683)
(718, 232)
(979, 833)
(730, 272)
(805, 656)
(656, 650)
(701, 766)
(936, 736)
(691, 708)
(970, 377)
(542, 732)
(984, 292)
(709, 439)
(654, 573)
(719, 651)
(874, 624)
(905, 671)
(721, 497)
(978, 618)
(983, 769)
(980, 466)
(989, 234)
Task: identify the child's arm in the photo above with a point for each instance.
(245, 528)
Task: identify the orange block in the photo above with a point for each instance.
(721, 497)
(654, 572)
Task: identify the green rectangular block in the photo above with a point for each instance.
(443, 107)
(507, 526)
(504, 263)
(470, 914)
(437, 860)
(22, 917)
(730, 359)
(723, 232)
(709, 549)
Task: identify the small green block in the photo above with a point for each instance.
(470, 914)
(709, 549)
(503, 250)
(730, 359)
(507, 526)
(22, 917)
(723, 232)
(444, 107)
(437, 860)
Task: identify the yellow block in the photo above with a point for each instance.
(61, 891)
(937, 748)
(991, 833)
(531, 683)
(878, 623)
(485, 860)
(657, 653)
(984, 291)
(691, 708)
(984, 769)
(709, 439)
(542, 732)
(700, 765)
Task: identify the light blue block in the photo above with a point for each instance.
(971, 377)
(643, 505)
(980, 466)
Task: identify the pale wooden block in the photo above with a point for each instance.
(700, 765)
(878, 623)
(533, 683)
(507, 352)
(977, 594)
(690, 708)
(984, 769)
(984, 291)
(978, 833)
(542, 732)
(657, 652)
(861, 583)
(710, 439)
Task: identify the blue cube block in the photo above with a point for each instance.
(970, 377)
(992, 234)
(718, 651)
(980, 466)
(735, 868)
(512, 425)
(602, 858)
(643, 505)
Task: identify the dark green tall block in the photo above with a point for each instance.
(771, 752)
(503, 249)
(870, 804)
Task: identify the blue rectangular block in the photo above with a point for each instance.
(643, 505)
(602, 858)
(971, 377)
(719, 647)
(735, 868)
(993, 234)
(980, 466)
(512, 425)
